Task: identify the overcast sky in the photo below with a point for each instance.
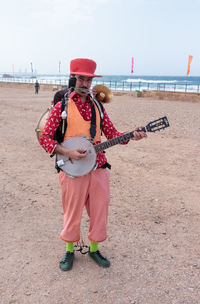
(158, 34)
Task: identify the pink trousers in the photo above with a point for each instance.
(91, 191)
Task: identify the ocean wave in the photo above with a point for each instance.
(150, 81)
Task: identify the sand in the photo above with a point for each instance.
(153, 232)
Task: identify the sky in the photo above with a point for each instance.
(159, 34)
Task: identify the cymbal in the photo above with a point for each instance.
(102, 93)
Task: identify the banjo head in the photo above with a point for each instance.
(81, 167)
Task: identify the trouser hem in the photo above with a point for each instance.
(97, 241)
(68, 241)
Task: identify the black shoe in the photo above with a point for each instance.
(99, 259)
(67, 261)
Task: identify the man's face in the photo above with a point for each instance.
(83, 82)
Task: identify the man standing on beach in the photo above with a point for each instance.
(37, 86)
(92, 190)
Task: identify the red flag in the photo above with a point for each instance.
(132, 65)
(189, 62)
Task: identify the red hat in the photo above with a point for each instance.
(82, 66)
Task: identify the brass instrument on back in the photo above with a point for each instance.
(102, 93)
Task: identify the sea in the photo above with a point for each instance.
(117, 82)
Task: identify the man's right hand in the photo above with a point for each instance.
(71, 153)
(76, 153)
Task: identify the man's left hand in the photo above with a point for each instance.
(139, 134)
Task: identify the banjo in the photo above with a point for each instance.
(81, 167)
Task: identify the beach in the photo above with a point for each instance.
(153, 230)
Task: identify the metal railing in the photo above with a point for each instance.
(116, 85)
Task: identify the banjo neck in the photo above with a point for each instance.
(153, 126)
(84, 165)
(112, 142)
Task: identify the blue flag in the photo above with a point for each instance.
(31, 67)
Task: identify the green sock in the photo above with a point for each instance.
(93, 247)
(70, 247)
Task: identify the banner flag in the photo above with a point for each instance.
(31, 67)
(132, 65)
(59, 66)
(189, 62)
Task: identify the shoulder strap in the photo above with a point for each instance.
(93, 125)
(59, 135)
(63, 125)
(64, 107)
(100, 108)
